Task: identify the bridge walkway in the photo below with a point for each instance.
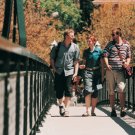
(102, 124)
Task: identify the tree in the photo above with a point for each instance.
(69, 14)
(109, 16)
(87, 8)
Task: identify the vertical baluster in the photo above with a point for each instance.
(17, 99)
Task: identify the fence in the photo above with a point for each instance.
(26, 90)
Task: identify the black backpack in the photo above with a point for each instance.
(57, 51)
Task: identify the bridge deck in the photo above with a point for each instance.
(102, 124)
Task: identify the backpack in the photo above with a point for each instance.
(57, 51)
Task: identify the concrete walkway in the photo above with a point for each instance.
(102, 124)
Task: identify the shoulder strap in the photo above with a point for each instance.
(57, 51)
(119, 53)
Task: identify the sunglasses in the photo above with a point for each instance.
(113, 34)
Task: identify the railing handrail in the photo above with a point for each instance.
(11, 47)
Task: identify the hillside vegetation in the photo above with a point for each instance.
(108, 16)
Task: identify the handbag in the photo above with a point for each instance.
(128, 71)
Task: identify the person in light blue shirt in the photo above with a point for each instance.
(93, 68)
(65, 66)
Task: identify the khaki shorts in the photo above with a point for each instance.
(115, 80)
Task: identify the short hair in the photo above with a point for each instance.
(117, 31)
(67, 31)
(92, 37)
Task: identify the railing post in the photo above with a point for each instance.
(25, 97)
(19, 15)
(17, 99)
(133, 96)
(6, 99)
(35, 98)
(31, 95)
(14, 22)
(21, 23)
(7, 18)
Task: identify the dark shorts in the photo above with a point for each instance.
(63, 85)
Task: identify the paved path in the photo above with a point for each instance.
(102, 124)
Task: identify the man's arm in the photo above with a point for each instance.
(127, 62)
(107, 64)
(102, 69)
(53, 65)
(76, 67)
(52, 57)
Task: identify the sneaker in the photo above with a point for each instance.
(66, 114)
(61, 110)
(122, 113)
(113, 113)
(93, 114)
(86, 114)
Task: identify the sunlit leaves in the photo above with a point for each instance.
(109, 16)
(69, 14)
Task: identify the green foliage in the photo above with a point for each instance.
(69, 14)
(87, 8)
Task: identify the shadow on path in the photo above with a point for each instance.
(129, 129)
(77, 116)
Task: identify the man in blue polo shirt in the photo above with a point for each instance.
(66, 69)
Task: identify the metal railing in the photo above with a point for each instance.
(26, 90)
(14, 8)
(26, 82)
(130, 95)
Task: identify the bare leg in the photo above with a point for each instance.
(122, 104)
(112, 101)
(67, 102)
(122, 99)
(88, 102)
(93, 104)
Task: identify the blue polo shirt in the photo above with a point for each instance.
(66, 58)
(92, 57)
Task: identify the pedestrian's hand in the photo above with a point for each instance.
(81, 66)
(125, 64)
(74, 77)
(109, 67)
